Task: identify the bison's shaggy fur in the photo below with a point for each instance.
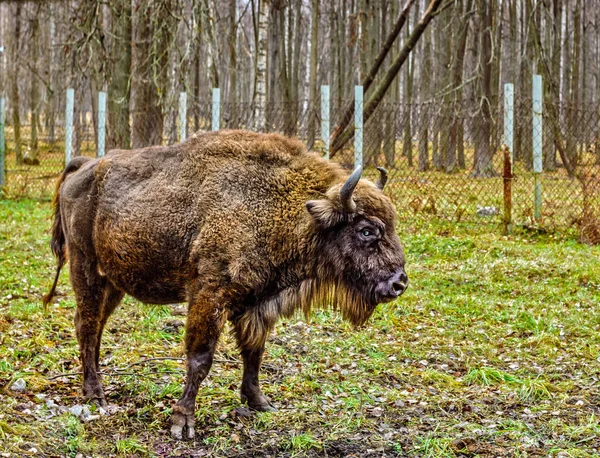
(246, 227)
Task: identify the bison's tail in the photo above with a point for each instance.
(58, 241)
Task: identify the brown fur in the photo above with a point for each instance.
(244, 226)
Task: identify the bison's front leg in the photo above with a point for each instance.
(251, 392)
(206, 315)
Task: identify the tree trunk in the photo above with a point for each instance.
(211, 48)
(455, 156)
(14, 86)
(233, 94)
(552, 79)
(573, 119)
(425, 91)
(312, 102)
(389, 146)
(31, 157)
(148, 121)
(407, 144)
(119, 133)
(260, 90)
(483, 166)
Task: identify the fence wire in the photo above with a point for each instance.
(444, 158)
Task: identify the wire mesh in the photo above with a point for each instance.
(443, 158)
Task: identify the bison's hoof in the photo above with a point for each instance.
(100, 402)
(182, 424)
(95, 396)
(268, 407)
(258, 402)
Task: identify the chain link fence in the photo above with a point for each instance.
(444, 158)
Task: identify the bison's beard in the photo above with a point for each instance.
(353, 305)
(255, 324)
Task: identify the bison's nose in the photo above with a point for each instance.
(393, 287)
(398, 282)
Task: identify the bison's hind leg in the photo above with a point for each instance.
(96, 299)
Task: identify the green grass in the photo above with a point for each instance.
(493, 349)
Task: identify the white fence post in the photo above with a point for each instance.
(216, 108)
(325, 119)
(101, 124)
(69, 125)
(509, 119)
(537, 144)
(358, 126)
(182, 116)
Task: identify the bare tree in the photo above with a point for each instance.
(119, 85)
(312, 98)
(14, 84)
(260, 89)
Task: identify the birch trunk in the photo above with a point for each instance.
(260, 90)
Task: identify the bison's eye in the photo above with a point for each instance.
(368, 234)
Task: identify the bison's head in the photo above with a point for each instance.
(359, 252)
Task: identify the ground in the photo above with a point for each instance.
(494, 351)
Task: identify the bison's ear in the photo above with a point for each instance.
(324, 212)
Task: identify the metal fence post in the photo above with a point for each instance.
(537, 145)
(509, 119)
(216, 108)
(2, 144)
(182, 116)
(325, 119)
(358, 126)
(101, 123)
(69, 125)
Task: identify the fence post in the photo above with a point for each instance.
(182, 116)
(325, 119)
(101, 123)
(216, 108)
(2, 144)
(537, 145)
(509, 117)
(358, 126)
(69, 125)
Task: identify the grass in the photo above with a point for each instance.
(493, 351)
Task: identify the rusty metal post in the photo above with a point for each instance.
(507, 178)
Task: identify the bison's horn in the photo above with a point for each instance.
(347, 190)
(383, 177)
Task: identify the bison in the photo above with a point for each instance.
(245, 227)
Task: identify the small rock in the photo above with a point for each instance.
(19, 385)
(85, 413)
(179, 310)
(377, 412)
(76, 410)
(51, 404)
(173, 326)
(241, 412)
(487, 211)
